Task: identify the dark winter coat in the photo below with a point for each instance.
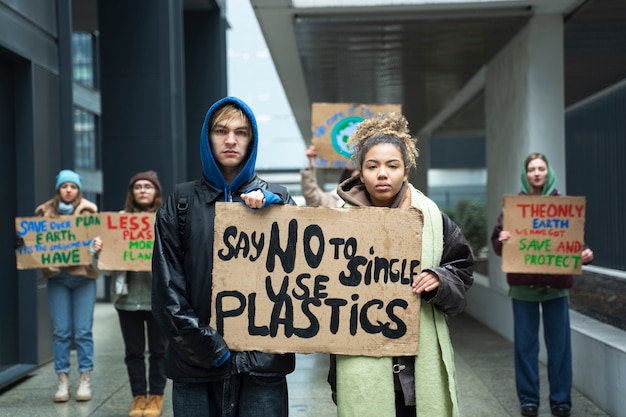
(182, 267)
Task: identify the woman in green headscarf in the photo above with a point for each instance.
(529, 292)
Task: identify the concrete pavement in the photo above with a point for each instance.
(484, 362)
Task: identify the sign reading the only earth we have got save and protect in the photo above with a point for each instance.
(547, 234)
(317, 279)
(55, 242)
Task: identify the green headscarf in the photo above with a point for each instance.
(550, 184)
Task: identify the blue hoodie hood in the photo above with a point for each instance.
(211, 170)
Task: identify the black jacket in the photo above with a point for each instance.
(182, 281)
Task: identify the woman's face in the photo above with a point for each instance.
(144, 193)
(383, 173)
(537, 173)
(68, 192)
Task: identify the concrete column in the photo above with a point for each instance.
(413, 99)
(205, 76)
(143, 94)
(419, 176)
(524, 110)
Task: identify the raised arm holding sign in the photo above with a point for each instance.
(313, 194)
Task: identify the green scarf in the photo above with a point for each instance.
(548, 187)
(365, 385)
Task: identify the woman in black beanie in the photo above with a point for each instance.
(131, 296)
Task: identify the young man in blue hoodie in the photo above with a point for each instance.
(208, 378)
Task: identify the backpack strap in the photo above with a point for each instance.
(279, 190)
(184, 192)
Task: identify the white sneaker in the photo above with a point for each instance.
(84, 387)
(63, 391)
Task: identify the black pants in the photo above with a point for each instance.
(134, 325)
(401, 409)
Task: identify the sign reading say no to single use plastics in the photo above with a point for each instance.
(317, 279)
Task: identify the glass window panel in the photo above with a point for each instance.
(85, 139)
(82, 58)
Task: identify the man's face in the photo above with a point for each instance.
(229, 142)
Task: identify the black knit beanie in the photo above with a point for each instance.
(147, 175)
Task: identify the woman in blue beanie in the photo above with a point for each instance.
(71, 294)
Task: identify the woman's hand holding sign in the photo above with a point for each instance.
(426, 281)
(587, 256)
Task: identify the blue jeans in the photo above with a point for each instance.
(557, 337)
(72, 300)
(239, 395)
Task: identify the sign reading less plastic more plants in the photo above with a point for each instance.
(334, 123)
(317, 279)
(55, 241)
(547, 234)
(128, 240)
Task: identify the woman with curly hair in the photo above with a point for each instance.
(424, 385)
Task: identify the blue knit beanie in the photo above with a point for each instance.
(67, 175)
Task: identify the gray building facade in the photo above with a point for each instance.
(107, 88)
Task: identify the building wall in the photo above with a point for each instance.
(30, 135)
(144, 122)
(596, 154)
(142, 84)
(205, 72)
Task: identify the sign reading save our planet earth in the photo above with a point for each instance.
(54, 242)
(332, 126)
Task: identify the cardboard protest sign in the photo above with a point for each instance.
(55, 241)
(333, 123)
(317, 279)
(128, 239)
(547, 234)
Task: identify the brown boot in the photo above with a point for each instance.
(63, 391)
(139, 404)
(154, 407)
